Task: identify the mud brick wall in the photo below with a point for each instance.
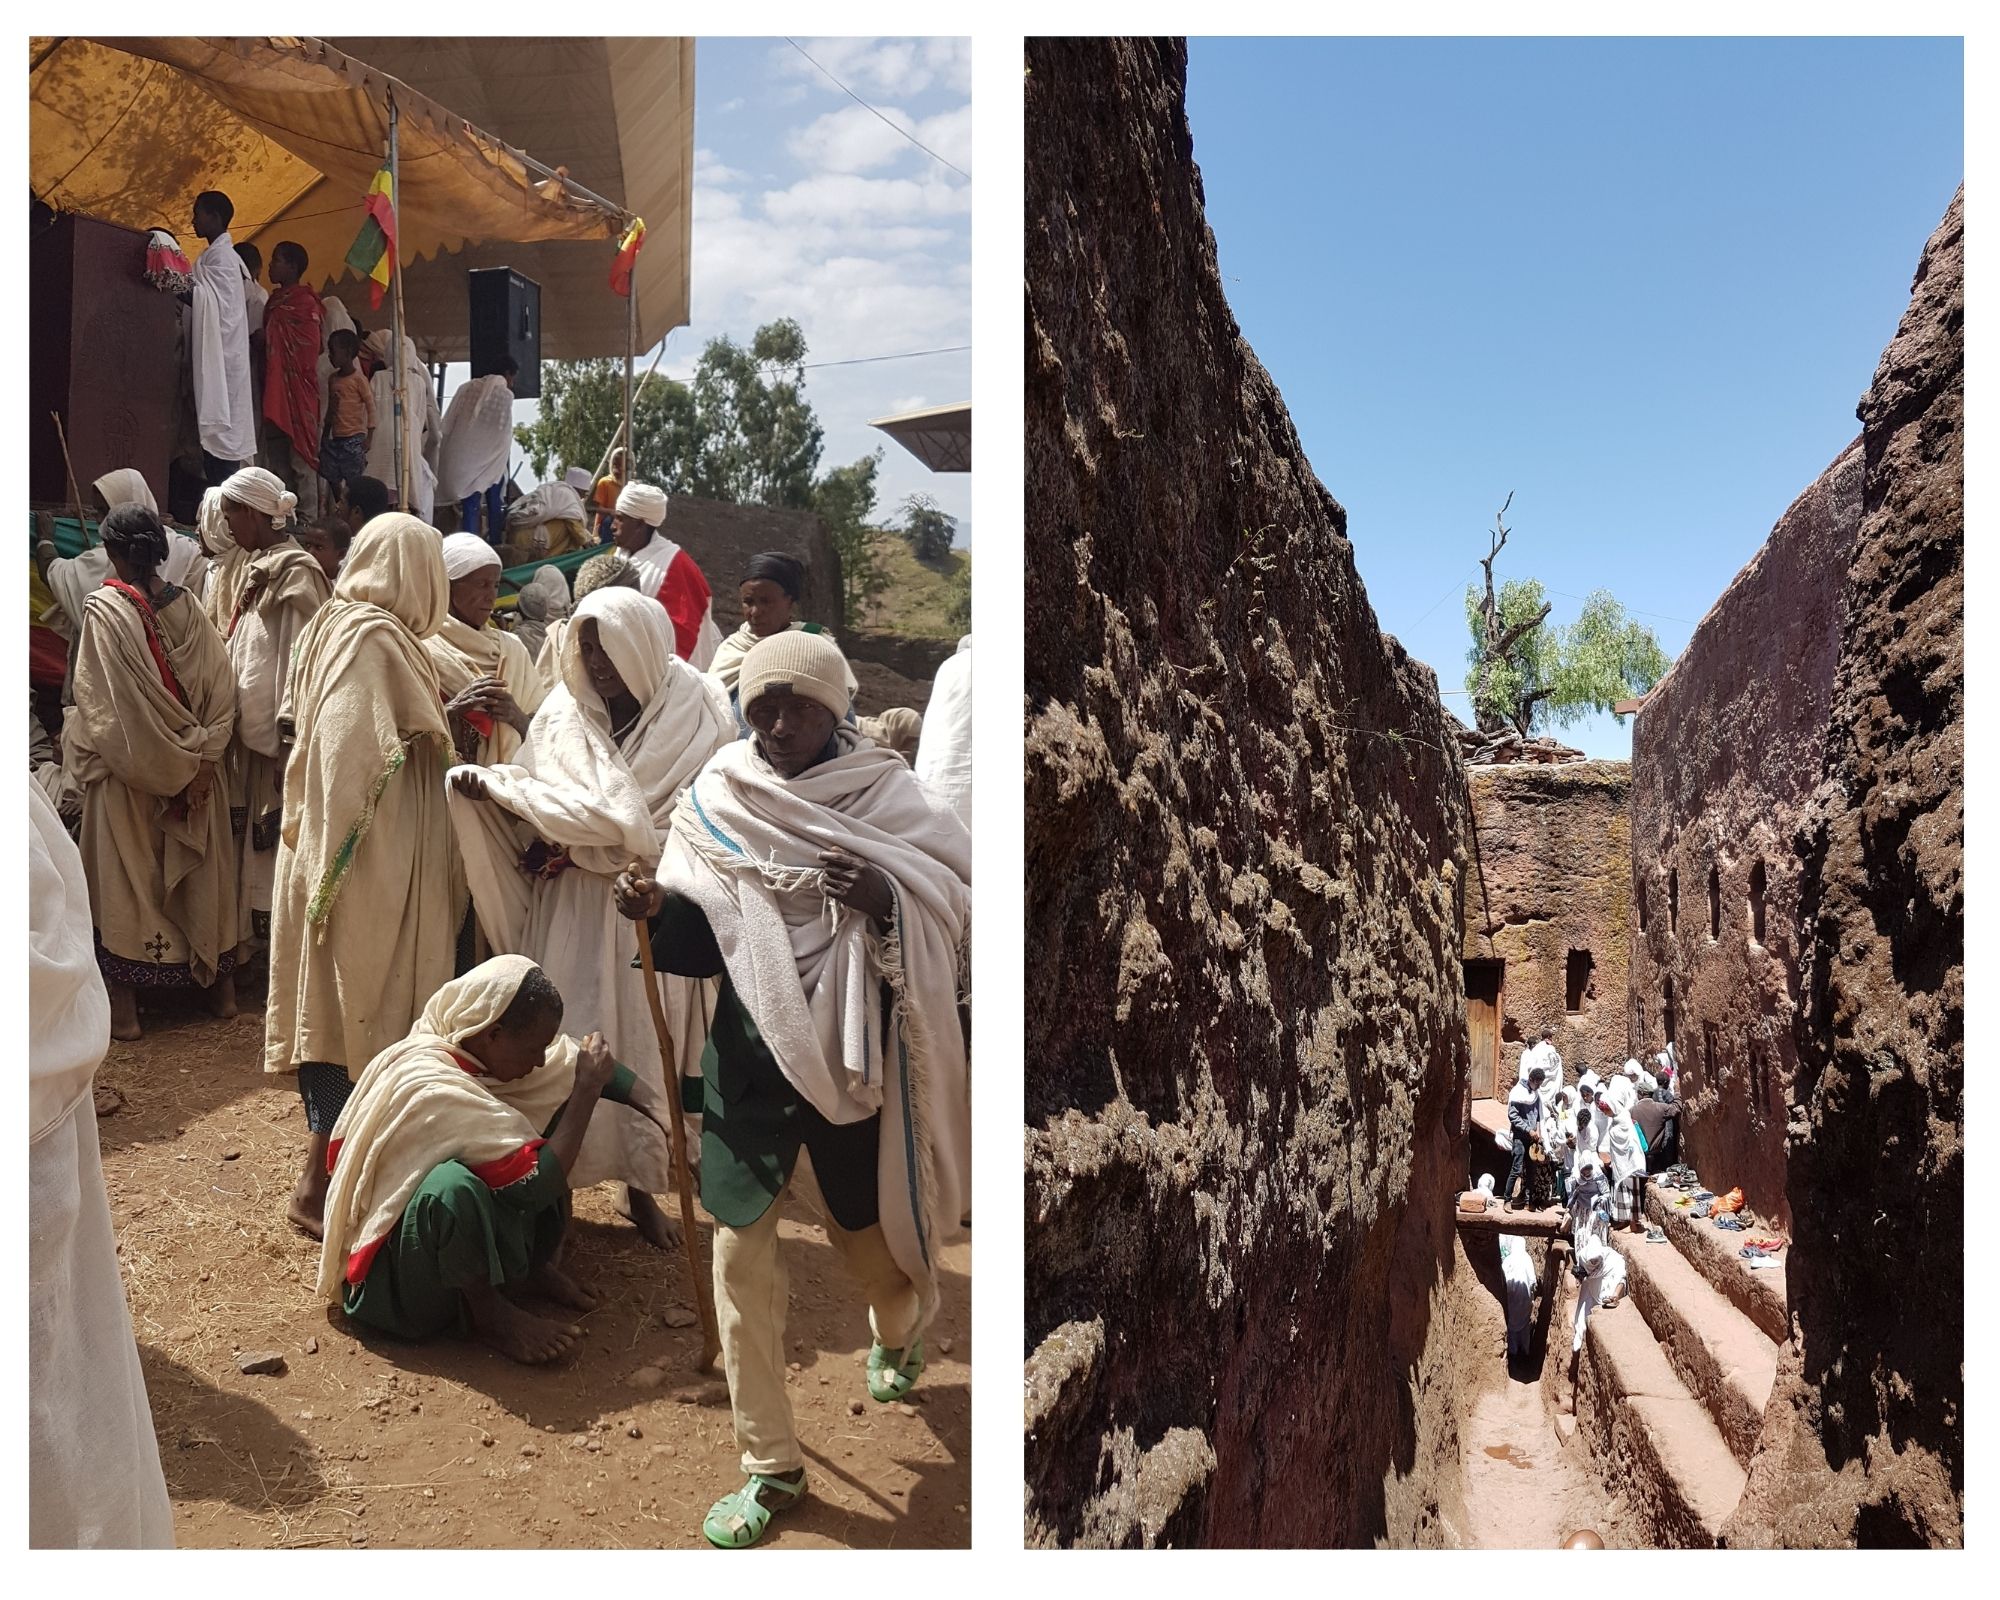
(1245, 1035)
(721, 535)
(1549, 892)
(1725, 756)
(1864, 1435)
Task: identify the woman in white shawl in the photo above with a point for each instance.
(1623, 1152)
(422, 426)
(263, 596)
(1598, 1267)
(769, 592)
(72, 578)
(488, 669)
(544, 601)
(595, 787)
(453, 1162)
(155, 708)
(362, 914)
(94, 1478)
(810, 867)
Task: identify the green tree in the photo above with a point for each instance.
(844, 498)
(959, 615)
(758, 440)
(928, 529)
(1524, 673)
(583, 403)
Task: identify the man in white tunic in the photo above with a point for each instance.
(666, 572)
(94, 1479)
(472, 461)
(224, 404)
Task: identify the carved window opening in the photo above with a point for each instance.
(1667, 1011)
(1578, 986)
(1674, 900)
(1707, 1046)
(1757, 902)
(1715, 902)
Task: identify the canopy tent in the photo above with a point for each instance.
(941, 437)
(293, 129)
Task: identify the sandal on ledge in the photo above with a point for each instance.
(892, 1374)
(739, 1520)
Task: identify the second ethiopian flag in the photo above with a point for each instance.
(373, 253)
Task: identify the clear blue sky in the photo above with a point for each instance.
(1641, 283)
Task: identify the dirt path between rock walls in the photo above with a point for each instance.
(1522, 1489)
(369, 1442)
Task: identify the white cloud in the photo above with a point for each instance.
(853, 139)
(847, 197)
(728, 106)
(892, 67)
(710, 168)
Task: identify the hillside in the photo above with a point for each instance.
(918, 600)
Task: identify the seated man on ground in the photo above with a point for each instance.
(450, 1166)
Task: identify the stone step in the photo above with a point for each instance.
(1653, 1440)
(1758, 1293)
(1722, 1358)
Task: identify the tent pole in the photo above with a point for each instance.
(397, 375)
(631, 336)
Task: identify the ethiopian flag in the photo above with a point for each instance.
(373, 253)
(628, 253)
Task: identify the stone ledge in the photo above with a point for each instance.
(1759, 1295)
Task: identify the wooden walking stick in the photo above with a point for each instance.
(711, 1340)
(82, 521)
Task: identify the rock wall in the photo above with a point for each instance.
(1549, 892)
(1245, 1039)
(1863, 1438)
(721, 535)
(1725, 755)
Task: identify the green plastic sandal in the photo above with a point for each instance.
(893, 1373)
(739, 1520)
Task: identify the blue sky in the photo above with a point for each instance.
(1640, 283)
(807, 206)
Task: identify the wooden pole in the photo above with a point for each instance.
(397, 375)
(711, 1340)
(631, 341)
(618, 433)
(82, 521)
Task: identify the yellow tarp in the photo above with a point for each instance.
(292, 129)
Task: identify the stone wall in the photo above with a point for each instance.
(1244, 1031)
(1725, 754)
(722, 535)
(1864, 1435)
(1549, 892)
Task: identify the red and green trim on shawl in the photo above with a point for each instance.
(503, 1173)
(151, 623)
(321, 903)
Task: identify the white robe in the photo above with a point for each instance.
(478, 435)
(651, 562)
(421, 426)
(94, 1478)
(944, 752)
(224, 409)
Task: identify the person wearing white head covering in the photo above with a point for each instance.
(453, 1162)
(944, 754)
(1669, 1066)
(666, 572)
(478, 437)
(261, 596)
(1517, 1271)
(422, 426)
(578, 478)
(94, 1479)
(544, 600)
(1598, 1267)
(809, 866)
(1623, 1152)
(71, 578)
(489, 665)
(362, 914)
(592, 790)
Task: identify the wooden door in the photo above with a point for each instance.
(1482, 1022)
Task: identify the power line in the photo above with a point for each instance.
(865, 106)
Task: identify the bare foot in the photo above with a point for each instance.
(518, 1335)
(552, 1283)
(124, 1011)
(222, 996)
(651, 1221)
(307, 1213)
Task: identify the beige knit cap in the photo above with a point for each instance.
(808, 664)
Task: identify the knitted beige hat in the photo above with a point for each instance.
(808, 664)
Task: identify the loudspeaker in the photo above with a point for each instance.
(506, 321)
(103, 353)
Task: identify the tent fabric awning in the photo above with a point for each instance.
(940, 437)
(292, 129)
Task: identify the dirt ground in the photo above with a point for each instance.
(366, 1441)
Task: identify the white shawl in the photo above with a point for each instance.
(745, 848)
(420, 424)
(651, 562)
(944, 753)
(478, 436)
(1621, 1138)
(223, 406)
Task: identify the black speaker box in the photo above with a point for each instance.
(506, 321)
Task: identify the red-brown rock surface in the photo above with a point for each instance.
(1549, 891)
(1725, 754)
(1245, 1041)
(1863, 1440)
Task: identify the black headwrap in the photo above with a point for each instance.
(787, 572)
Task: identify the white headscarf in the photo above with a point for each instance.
(467, 553)
(260, 491)
(578, 478)
(126, 486)
(213, 526)
(644, 501)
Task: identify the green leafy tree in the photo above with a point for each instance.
(928, 529)
(1525, 674)
(844, 498)
(758, 440)
(583, 403)
(959, 614)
